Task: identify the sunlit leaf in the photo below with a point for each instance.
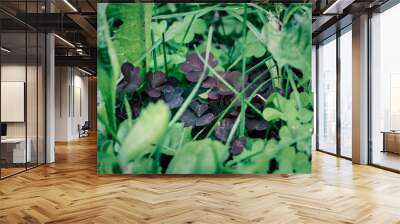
(198, 157)
(143, 136)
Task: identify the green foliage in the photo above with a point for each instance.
(132, 37)
(255, 160)
(158, 29)
(108, 74)
(176, 137)
(290, 42)
(198, 157)
(253, 46)
(229, 26)
(186, 29)
(107, 162)
(140, 143)
(269, 42)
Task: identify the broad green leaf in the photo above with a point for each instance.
(253, 47)
(107, 72)
(107, 162)
(302, 164)
(286, 158)
(271, 114)
(304, 146)
(229, 25)
(158, 29)
(188, 28)
(256, 165)
(133, 37)
(199, 157)
(123, 130)
(145, 134)
(143, 165)
(176, 137)
(255, 160)
(307, 99)
(290, 43)
(172, 60)
(305, 115)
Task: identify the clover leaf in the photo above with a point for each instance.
(198, 157)
(188, 27)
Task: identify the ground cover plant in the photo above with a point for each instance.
(222, 88)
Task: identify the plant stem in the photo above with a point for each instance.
(293, 85)
(110, 121)
(233, 130)
(234, 63)
(154, 54)
(128, 110)
(243, 107)
(196, 88)
(165, 54)
(188, 28)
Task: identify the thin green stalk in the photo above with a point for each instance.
(258, 65)
(110, 121)
(187, 29)
(234, 63)
(251, 26)
(157, 155)
(196, 88)
(128, 110)
(141, 58)
(165, 54)
(293, 85)
(233, 130)
(243, 103)
(154, 54)
(113, 134)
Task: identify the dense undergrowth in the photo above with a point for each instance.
(204, 88)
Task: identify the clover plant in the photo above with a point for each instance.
(204, 88)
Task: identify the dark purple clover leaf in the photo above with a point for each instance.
(131, 80)
(222, 131)
(205, 119)
(193, 66)
(219, 89)
(238, 146)
(198, 108)
(159, 87)
(256, 124)
(189, 118)
(173, 96)
(152, 92)
(233, 78)
(213, 95)
(156, 79)
(196, 115)
(210, 82)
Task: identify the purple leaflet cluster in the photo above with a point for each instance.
(159, 87)
(197, 114)
(219, 89)
(130, 80)
(193, 66)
